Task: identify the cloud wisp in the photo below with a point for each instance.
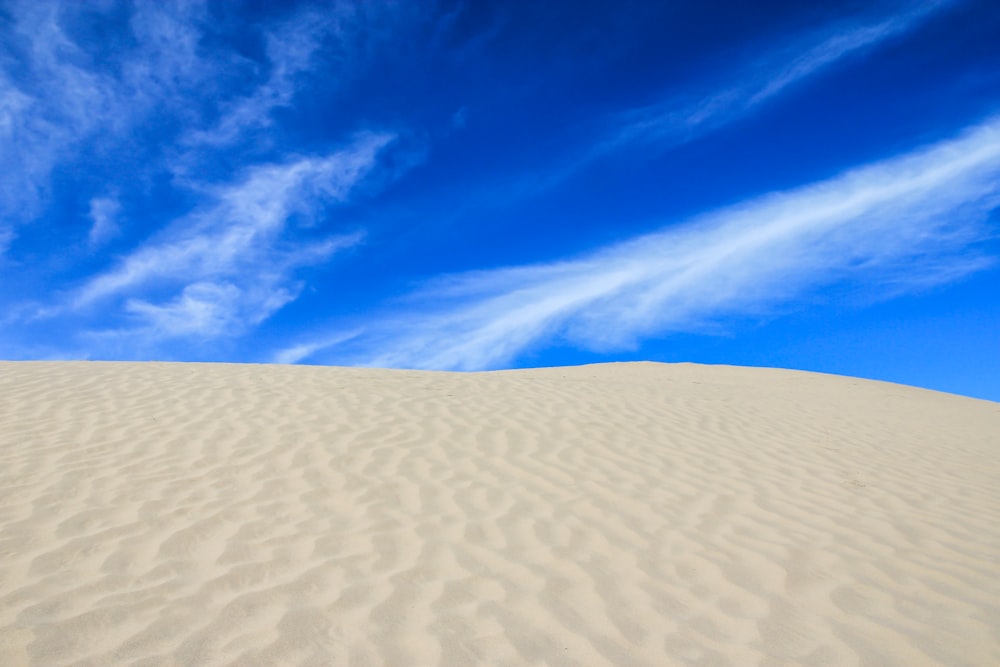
(678, 120)
(895, 226)
(291, 50)
(297, 353)
(68, 97)
(58, 99)
(103, 211)
(228, 265)
(127, 105)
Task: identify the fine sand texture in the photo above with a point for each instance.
(620, 514)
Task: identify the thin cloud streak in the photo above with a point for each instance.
(103, 212)
(62, 100)
(60, 103)
(246, 220)
(679, 120)
(297, 353)
(291, 49)
(233, 261)
(227, 266)
(899, 225)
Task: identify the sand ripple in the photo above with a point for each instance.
(627, 514)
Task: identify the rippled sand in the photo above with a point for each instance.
(623, 514)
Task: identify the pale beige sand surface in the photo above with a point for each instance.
(625, 514)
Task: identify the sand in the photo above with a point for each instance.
(621, 514)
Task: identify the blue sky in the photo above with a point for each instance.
(478, 185)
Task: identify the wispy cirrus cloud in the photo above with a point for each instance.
(103, 212)
(301, 351)
(291, 50)
(55, 99)
(682, 118)
(119, 97)
(897, 225)
(722, 99)
(67, 97)
(229, 265)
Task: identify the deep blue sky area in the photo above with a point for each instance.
(481, 185)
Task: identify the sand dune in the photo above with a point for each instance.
(623, 514)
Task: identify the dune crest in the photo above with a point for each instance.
(620, 514)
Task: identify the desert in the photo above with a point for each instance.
(614, 514)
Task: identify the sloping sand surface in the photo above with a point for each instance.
(624, 514)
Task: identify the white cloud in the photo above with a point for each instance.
(241, 230)
(206, 309)
(103, 214)
(66, 96)
(209, 310)
(231, 261)
(681, 119)
(302, 351)
(57, 99)
(291, 50)
(63, 98)
(897, 225)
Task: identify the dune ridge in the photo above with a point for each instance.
(619, 514)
